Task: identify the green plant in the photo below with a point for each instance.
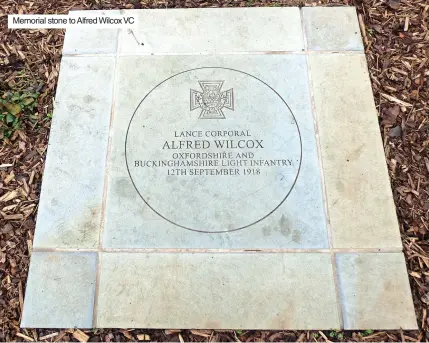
(14, 108)
(367, 332)
(336, 334)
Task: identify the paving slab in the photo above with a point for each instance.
(359, 197)
(60, 290)
(247, 210)
(174, 290)
(73, 181)
(94, 41)
(332, 28)
(213, 30)
(219, 169)
(375, 291)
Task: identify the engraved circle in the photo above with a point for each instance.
(213, 203)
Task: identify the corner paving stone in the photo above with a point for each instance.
(226, 178)
(92, 41)
(60, 290)
(375, 291)
(332, 28)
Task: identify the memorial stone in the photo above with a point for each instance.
(220, 169)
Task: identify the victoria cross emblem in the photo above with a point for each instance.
(211, 100)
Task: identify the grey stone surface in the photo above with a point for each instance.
(359, 197)
(214, 30)
(375, 291)
(214, 203)
(60, 290)
(88, 40)
(69, 213)
(332, 28)
(218, 291)
(219, 72)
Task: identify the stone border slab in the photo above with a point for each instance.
(218, 291)
(92, 41)
(332, 28)
(60, 290)
(73, 181)
(375, 291)
(359, 197)
(214, 30)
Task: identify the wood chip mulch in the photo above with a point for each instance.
(396, 39)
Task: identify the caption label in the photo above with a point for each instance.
(54, 21)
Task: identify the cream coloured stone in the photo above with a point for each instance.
(217, 291)
(360, 204)
(69, 213)
(332, 28)
(60, 290)
(375, 291)
(91, 40)
(214, 30)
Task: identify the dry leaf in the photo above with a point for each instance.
(80, 336)
(390, 115)
(394, 4)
